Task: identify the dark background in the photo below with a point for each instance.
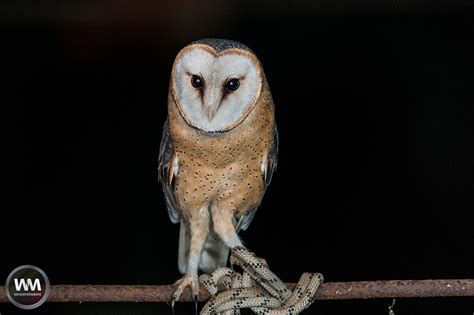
(374, 104)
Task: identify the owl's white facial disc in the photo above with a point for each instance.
(214, 105)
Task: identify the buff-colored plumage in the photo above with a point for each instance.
(214, 181)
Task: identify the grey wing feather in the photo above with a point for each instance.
(272, 161)
(165, 174)
(272, 158)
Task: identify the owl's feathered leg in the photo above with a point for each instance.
(199, 229)
(224, 227)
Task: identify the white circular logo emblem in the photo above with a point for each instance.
(27, 287)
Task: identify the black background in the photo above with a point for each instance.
(374, 105)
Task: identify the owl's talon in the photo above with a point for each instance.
(172, 306)
(187, 281)
(196, 300)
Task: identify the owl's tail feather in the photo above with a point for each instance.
(214, 254)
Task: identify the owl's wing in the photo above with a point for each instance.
(166, 174)
(272, 161)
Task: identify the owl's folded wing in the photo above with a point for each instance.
(166, 174)
(268, 170)
(272, 159)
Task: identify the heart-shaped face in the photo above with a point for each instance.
(215, 91)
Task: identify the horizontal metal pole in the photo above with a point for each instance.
(328, 291)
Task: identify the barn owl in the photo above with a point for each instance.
(218, 151)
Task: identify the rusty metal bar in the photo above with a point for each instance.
(328, 291)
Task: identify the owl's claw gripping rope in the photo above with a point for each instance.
(257, 288)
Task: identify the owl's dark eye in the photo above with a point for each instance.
(196, 81)
(232, 84)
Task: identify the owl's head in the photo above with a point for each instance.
(215, 83)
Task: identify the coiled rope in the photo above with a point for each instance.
(256, 288)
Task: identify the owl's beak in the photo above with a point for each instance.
(211, 111)
(211, 102)
(211, 106)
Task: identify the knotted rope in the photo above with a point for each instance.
(256, 288)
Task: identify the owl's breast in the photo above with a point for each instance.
(224, 168)
(238, 184)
